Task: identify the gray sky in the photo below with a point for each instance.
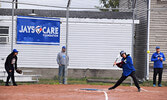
(74, 3)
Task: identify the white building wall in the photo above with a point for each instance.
(93, 43)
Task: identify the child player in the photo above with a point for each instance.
(128, 70)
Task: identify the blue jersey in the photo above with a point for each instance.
(128, 67)
(157, 62)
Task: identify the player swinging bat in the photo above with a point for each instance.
(128, 70)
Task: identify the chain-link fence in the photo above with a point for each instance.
(93, 36)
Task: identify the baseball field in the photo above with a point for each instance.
(74, 92)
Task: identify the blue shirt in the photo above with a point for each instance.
(158, 63)
(128, 67)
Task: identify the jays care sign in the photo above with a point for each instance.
(38, 30)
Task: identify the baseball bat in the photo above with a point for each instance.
(116, 59)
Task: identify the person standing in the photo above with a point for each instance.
(128, 70)
(10, 65)
(62, 61)
(158, 58)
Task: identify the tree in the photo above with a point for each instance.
(109, 4)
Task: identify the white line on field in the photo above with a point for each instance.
(106, 96)
(145, 89)
(105, 93)
(141, 89)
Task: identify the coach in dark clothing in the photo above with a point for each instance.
(158, 58)
(10, 65)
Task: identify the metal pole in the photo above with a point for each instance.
(12, 24)
(148, 39)
(12, 28)
(133, 28)
(133, 32)
(67, 18)
(16, 4)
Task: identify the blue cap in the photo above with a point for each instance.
(157, 47)
(15, 50)
(64, 47)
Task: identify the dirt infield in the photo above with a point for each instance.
(73, 92)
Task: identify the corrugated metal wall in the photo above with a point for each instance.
(43, 56)
(96, 45)
(93, 43)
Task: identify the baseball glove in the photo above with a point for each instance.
(19, 71)
(120, 64)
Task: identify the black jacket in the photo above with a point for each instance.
(8, 63)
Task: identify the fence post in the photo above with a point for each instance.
(148, 39)
(67, 17)
(12, 24)
(133, 32)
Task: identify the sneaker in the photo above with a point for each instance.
(159, 85)
(154, 85)
(111, 88)
(6, 84)
(139, 89)
(14, 84)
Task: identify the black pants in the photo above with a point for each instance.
(124, 77)
(10, 75)
(158, 71)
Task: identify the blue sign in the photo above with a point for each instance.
(38, 30)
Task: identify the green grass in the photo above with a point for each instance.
(84, 81)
